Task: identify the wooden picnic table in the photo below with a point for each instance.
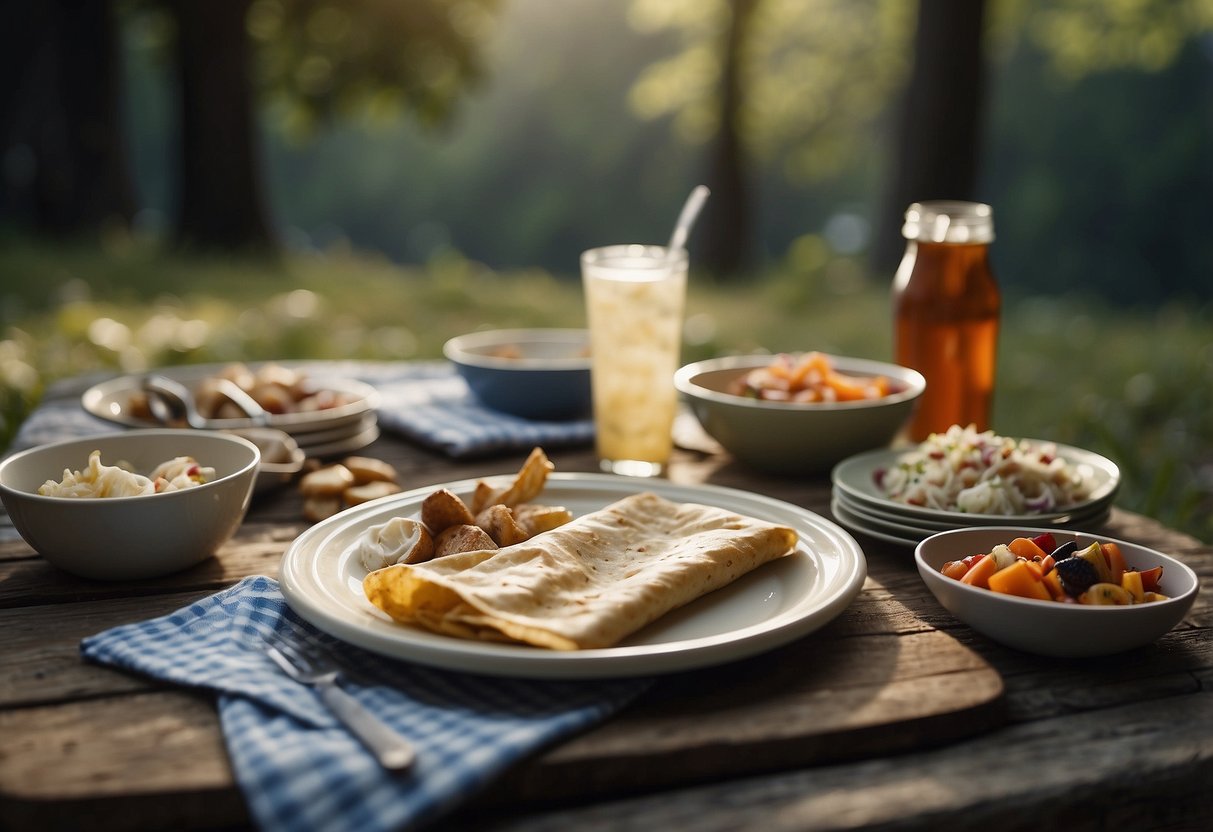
(894, 716)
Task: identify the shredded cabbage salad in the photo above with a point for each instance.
(982, 473)
(98, 480)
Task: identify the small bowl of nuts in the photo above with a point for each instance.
(281, 457)
(333, 487)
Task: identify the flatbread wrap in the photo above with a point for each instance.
(587, 584)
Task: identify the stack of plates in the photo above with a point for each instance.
(860, 505)
(319, 433)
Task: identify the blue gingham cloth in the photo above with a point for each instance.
(299, 768)
(425, 402)
(442, 413)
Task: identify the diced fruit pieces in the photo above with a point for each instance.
(1045, 541)
(1019, 579)
(979, 573)
(1077, 575)
(1026, 548)
(955, 569)
(1003, 556)
(1150, 579)
(1052, 582)
(1131, 581)
(1105, 594)
(1065, 550)
(1116, 560)
(1094, 555)
(1096, 574)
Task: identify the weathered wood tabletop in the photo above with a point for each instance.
(893, 716)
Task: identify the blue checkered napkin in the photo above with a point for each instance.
(442, 413)
(298, 767)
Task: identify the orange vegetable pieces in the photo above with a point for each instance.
(1052, 582)
(955, 569)
(1026, 548)
(812, 369)
(1116, 561)
(1150, 579)
(979, 573)
(1019, 579)
(1096, 575)
(848, 388)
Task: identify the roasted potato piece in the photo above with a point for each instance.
(367, 491)
(277, 374)
(209, 400)
(138, 407)
(462, 538)
(273, 398)
(500, 524)
(369, 469)
(328, 481)
(535, 518)
(443, 509)
(239, 374)
(320, 508)
(526, 486)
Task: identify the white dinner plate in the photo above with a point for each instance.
(785, 599)
(856, 477)
(919, 522)
(906, 533)
(898, 536)
(344, 445)
(110, 400)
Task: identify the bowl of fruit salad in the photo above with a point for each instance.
(1056, 593)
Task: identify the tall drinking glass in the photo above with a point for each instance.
(634, 301)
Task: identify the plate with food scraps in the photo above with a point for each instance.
(346, 401)
(780, 601)
(860, 479)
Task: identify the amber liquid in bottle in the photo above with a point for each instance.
(946, 309)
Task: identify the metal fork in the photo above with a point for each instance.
(391, 749)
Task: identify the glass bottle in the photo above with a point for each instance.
(946, 307)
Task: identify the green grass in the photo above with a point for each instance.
(1134, 385)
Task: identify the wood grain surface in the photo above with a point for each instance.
(893, 716)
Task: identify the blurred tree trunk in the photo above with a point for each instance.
(937, 139)
(64, 157)
(221, 203)
(727, 225)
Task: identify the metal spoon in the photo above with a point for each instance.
(171, 402)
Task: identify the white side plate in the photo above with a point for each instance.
(856, 478)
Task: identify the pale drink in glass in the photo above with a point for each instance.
(634, 302)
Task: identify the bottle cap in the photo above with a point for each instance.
(949, 221)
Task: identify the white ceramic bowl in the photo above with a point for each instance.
(792, 437)
(532, 373)
(126, 538)
(281, 456)
(1049, 628)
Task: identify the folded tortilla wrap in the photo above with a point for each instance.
(588, 583)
